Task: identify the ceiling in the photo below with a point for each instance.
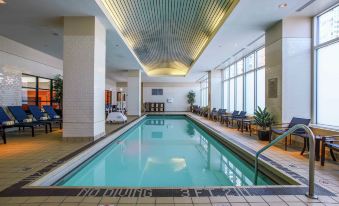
(38, 24)
(166, 36)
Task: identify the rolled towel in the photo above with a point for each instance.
(27, 120)
(8, 123)
(43, 118)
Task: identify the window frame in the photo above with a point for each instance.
(316, 47)
(37, 89)
(244, 74)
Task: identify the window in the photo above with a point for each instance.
(327, 67)
(36, 91)
(244, 83)
(204, 91)
(157, 91)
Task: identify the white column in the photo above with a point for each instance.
(134, 93)
(214, 89)
(288, 61)
(84, 78)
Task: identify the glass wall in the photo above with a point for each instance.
(37, 91)
(327, 67)
(244, 83)
(204, 91)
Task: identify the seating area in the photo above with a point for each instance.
(16, 117)
(246, 123)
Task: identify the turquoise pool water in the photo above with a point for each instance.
(164, 151)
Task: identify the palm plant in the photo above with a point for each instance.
(191, 98)
(58, 87)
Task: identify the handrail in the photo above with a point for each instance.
(310, 193)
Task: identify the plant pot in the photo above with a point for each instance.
(263, 135)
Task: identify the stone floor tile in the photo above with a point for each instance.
(254, 199)
(271, 198)
(91, 200)
(200, 200)
(239, 204)
(235, 199)
(55, 199)
(38, 199)
(128, 200)
(296, 204)
(259, 204)
(289, 198)
(218, 199)
(182, 200)
(164, 200)
(73, 199)
(277, 203)
(109, 200)
(146, 200)
(221, 204)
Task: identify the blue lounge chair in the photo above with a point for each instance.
(280, 129)
(6, 122)
(38, 115)
(21, 116)
(51, 113)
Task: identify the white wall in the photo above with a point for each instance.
(177, 91)
(15, 59)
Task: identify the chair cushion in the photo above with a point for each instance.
(8, 123)
(27, 120)
(43, 118)
(333, 146)
(279, 131)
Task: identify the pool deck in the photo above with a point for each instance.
(23, 156)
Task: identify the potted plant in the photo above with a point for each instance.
(58, 88)
(264, 120)
(191, 99)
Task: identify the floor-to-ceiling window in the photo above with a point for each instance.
(244, 83)
(37, 91)
(327, 67)
(204, 91)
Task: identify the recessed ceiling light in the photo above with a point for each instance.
(284, 5)
(3, 2)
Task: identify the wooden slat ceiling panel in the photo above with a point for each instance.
(168, 36)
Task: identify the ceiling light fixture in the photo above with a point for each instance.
(284, 5)
(3, 2)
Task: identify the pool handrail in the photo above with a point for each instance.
(310, 193)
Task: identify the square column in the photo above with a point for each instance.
(288, 68)
(84, 78)
(214, 89)
(134, 93)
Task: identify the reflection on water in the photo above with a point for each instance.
(165, 152)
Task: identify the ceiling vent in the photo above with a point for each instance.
(305, 5)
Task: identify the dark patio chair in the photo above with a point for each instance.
(38, 115)
(220, 114)
(212, 113)
(226, 117)
(6, 122)
(280, 129)
(215, 115)
(21, 116)
(239, 118)
(332, 142)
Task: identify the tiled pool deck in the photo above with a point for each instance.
(24, 156)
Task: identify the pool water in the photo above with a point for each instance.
(164, 151)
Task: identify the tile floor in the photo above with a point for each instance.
(24, 155)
